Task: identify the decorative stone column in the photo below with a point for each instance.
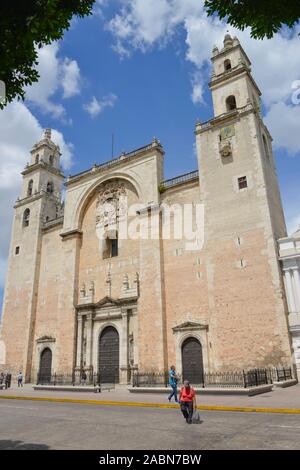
(124, 348)
(289, 291)
(135, 337)
(134, 366)
(296, 279)
(89, 341)
(79, 342)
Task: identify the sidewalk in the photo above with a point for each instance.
(283, 398)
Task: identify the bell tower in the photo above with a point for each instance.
(243, 219)
(43, 177)
(39, 203)
(232, 84)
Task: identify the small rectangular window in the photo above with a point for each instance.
(114, 247)
(17, 250)
(242, 182)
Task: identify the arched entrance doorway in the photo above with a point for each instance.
(109, 355)
(192, 361)
(45, 366)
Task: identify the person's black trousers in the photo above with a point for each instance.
(187, 410)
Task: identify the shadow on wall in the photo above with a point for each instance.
(20, 445)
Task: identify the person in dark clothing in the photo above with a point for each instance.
(7, 380)
(83, 378)
(20, 379)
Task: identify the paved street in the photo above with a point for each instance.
(43, 425)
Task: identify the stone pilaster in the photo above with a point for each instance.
(79, 342)
(296, 282)
(152, 321)
(289, 290)
(135, 337)
(89, 340)
(124, 348)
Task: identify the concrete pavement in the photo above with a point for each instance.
(43, 425)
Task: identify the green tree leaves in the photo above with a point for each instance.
(26, 26)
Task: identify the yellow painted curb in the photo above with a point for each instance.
(244, 409)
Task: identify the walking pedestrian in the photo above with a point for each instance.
(187, 400)
(83, 378)
(173, 379)
(20, 379)
(7, 380)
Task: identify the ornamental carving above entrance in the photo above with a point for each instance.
(111, 203)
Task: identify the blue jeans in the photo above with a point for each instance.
(174, 392)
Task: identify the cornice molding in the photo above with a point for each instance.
(75, 233)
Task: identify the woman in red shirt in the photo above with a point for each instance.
(187, 400)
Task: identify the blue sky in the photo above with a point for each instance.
(139, 69)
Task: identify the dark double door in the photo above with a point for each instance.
(109, 349)
(192, 361)
(45, 366)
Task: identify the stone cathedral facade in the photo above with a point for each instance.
(79, 296)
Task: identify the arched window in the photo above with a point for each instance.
(266, 147)
(37, 158)
(50, 187)
(51, 160)
(227, 64)
(230, 103)
(29, 189)
(26, 217)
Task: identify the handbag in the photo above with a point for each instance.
(196, 417)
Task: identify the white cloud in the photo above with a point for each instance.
(284, 121)
(99, 7)
(57, 75)
(293, 224)
(19, 130)
(70, 78)
(143, 24)
(197, 88)
(95, 107)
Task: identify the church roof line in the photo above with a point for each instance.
(119, 160)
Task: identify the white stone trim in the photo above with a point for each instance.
(296, 287)
(289, 290)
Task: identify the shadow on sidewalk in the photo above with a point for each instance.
(20, 445)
